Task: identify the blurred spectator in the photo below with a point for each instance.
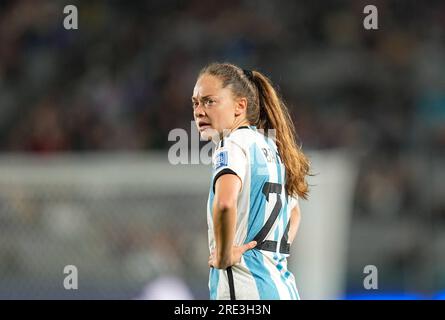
(124, 85)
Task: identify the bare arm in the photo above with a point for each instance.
(294, 223)
(227, 188)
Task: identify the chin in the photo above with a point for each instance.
(210, 134)
(205, 136)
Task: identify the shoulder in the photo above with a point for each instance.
(242, 138)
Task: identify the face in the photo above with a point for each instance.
(214, 108)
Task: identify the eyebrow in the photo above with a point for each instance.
(203, 98)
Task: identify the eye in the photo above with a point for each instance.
(209, 102)
(195, 104)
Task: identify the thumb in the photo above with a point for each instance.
(249, 246)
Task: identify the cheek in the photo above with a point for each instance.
(227, 119)
(221, 118)
(217, 120)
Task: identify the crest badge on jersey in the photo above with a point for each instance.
(221, 160)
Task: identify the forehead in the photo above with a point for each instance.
(207, 85)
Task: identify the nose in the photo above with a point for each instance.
(199, 111)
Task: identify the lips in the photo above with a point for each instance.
(203, 125)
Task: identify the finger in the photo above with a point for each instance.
(248, 246)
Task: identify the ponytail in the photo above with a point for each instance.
(273, 114)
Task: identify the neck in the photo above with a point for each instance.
(235, 126)
(240, 123)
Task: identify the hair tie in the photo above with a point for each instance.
(248, 74)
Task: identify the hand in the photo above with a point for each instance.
(237, 252)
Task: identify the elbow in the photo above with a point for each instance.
(225, 205)
(223, 263)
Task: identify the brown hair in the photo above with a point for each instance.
(266, 110)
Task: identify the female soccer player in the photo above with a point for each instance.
(258, 174)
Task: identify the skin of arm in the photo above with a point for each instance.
(294, 223)
(227, 188)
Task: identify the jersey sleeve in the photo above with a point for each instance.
(230, 158)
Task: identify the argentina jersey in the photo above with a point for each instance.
(263, 215)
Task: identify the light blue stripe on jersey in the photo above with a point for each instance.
(214, 281)
(270, 143)
(214, 273)
(258, 176)
(267, 289)
(271, 146)
(279, 180)
(283, 217)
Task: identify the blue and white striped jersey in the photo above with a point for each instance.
(263, 213)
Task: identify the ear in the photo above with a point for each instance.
(240, 107)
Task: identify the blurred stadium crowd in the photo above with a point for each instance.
(124, 79)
